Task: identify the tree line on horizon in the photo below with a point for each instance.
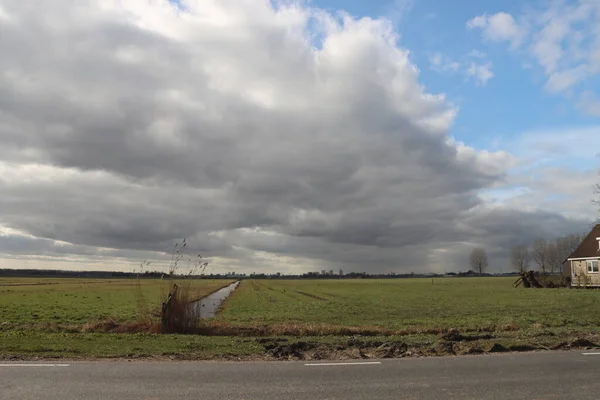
(547, 256)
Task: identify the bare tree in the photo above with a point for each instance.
(565, 246)
(479, 260)
(597, 199)
(520, 258)
(550, 255)
(571, 243)
(553, 255)
(561, 249)
(539, 253)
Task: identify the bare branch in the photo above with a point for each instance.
(539, 253)
(479, 260)
(520, 258)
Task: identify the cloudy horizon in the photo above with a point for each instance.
(289, 136)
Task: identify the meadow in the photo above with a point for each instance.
(27, 301)
(290, 318)
(400, 304)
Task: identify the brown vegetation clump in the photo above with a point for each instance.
(111, 326)
(175, 315)
(282, 349)
(509, 327)
(216, 328)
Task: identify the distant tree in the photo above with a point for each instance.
(539, 253)
(520, 258)
(562, 247)
(553, 255)
(597, 200)
(570, 243)
(479, 260)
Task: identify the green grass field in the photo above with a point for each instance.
(41, 317)
(397, 304)
(76, 301)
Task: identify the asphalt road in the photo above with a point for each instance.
(531, 376)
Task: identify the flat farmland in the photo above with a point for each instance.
(397, 304)
(297, 319)
(26, 301)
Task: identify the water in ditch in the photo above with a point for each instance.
(207, 306)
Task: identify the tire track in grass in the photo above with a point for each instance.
(312, 296)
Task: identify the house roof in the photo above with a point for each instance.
(589, 246)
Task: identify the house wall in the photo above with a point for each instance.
(581, 277)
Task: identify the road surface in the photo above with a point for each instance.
(531, 376)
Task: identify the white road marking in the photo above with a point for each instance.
(336, 364)
(591, 354)
(34, 365)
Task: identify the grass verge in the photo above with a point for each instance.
(31, 345)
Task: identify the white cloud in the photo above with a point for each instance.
(561, 81)
(554, 170)
(482, 73)
(477, 54)
(589, 104)
(498, 28)
(4, 17)
(567, 147)
(562, 37)
(494, 162)
(480, 21)
(440, 63)
(569, 192)
(398, 9)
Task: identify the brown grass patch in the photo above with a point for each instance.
(111, 326)
(223, 329)
(220, 328)
(509, 327)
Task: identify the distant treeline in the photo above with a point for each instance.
(364, 275)
(52, 273)
(46, 273)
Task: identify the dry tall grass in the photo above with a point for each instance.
(177, 292)
(220, 328)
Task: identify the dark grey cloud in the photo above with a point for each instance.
(129, 126)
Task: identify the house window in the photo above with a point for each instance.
(592, 266)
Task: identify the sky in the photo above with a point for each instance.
(295, 136)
